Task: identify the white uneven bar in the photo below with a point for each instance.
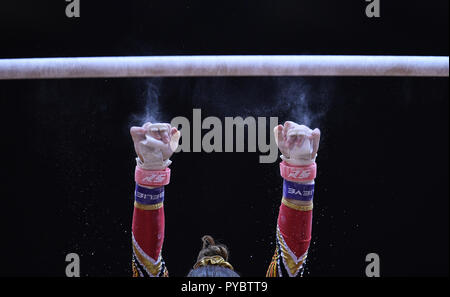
(177, 66)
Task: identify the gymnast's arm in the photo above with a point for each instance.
(152, 145)
(299, 146)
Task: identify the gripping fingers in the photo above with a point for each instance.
(163, 130)
(316, 139)
(159, 131)
(174, 138)
(137, 133)
(278, 134)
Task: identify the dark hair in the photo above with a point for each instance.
(210, 248)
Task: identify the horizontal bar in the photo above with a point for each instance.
(178, 66)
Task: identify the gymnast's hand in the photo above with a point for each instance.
(154, 144)
(297, 143)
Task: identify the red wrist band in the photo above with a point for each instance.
(152, 178)
(298, 173)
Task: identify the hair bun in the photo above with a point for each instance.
(210, 248)
(207, 241)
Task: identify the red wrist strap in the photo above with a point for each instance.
(152, 178)
(298, 173)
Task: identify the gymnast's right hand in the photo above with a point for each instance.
(154, 145)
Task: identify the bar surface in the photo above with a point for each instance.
(179, 66)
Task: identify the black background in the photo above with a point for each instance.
(67, 158)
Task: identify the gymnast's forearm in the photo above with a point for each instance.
(295, 217)
(148, 222)
(148, 231)
(294, 226)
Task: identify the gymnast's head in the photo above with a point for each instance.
(212, 261)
